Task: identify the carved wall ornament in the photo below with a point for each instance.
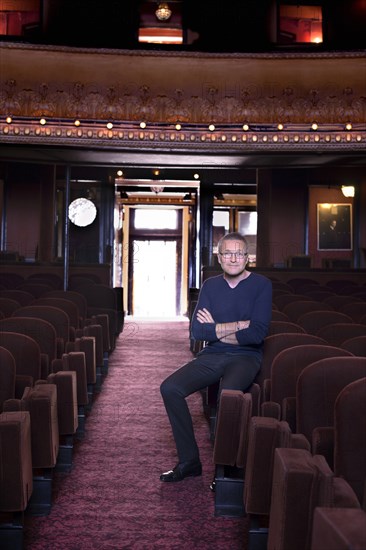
(94, 102)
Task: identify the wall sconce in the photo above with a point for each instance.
(163, 12)
(348, 191)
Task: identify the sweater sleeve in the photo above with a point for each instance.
(260, 318)
(204, 332)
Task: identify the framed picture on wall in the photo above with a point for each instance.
(334, 226)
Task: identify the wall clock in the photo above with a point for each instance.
(82, 212)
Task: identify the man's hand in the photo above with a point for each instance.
(242, 325)
(204, 316)
(226, 332)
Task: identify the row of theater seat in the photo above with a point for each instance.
(54, 356)
(291, 451)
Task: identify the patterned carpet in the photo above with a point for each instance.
(113, 498)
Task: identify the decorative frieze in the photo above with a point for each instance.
(156, 98)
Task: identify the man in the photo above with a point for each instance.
(232, 316)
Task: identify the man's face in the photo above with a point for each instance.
(232, 257)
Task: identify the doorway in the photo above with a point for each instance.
(154, 278)
(155, 270)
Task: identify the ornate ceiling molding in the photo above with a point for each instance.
(145, 112)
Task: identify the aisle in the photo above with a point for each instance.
(113, 498)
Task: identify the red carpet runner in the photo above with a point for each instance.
(113, 498)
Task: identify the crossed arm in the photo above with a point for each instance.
(226, 332)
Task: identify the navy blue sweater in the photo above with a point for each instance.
(250, 300)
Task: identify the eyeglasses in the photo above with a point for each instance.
(238, 255)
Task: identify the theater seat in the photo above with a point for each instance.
(301, 482)
(27, 357)
(75, 297)
(278, 327)
(286, 368)
(230, 450)
(350, 437)
(295, 310)
(23, 297)
(68, 307)
(356, 345)
(278, 315)
(53, 315)
(317, 388)
(16, 479)
(7, 376)
(41, 403)
(8, 306)
(95, 331)
(67, 414)
(356, 310)
(337, 301)
(87, 345)
(102, 299)
(35, 288)
(272, 346)
(41, 331)
(343, 485)
(313, 321)
(74, 362)
(337, 333)
(338, 529)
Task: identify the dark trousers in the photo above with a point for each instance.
(236, 372)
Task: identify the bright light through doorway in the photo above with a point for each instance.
(154, 278)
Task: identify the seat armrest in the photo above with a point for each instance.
(289, 412)
(60, 347)
(13, 405)
(255, 392)
(299, 441)
(266, 389)
(45, 366)
(271, 409)
(67, 405)
(322, 443)
(22, 381)
(344, 495)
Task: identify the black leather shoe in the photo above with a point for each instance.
(192, 468)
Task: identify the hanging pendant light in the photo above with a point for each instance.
(163, 12)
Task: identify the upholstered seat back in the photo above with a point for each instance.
(26, 353)
(289, 363)
(313, 321)
(337, 333)
(16, 480)
(234, 412)
(318, 387)
(278, 342)
(350, 437)
(7, 376)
